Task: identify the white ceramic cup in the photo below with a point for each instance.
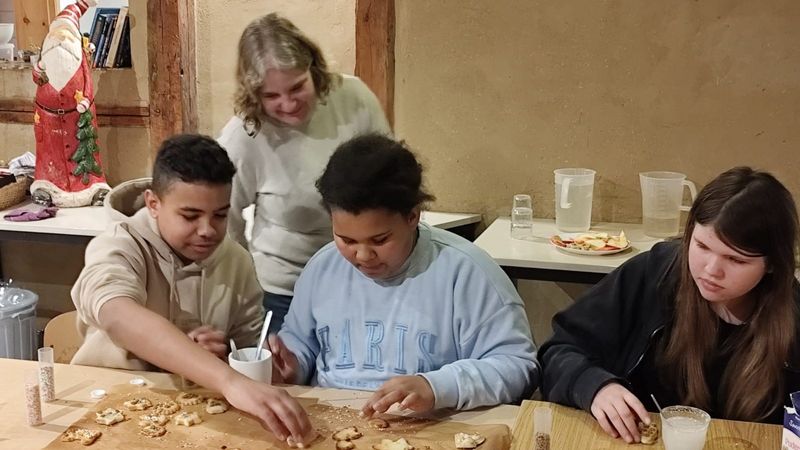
(244, 362)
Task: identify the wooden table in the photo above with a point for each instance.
(536, 258)
(73, 384)
(576, 429)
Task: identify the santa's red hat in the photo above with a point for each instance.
(72, 13)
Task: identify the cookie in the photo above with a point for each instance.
(216, 406)
(345, 445)
(388, 444)
(152, 430)
(378, 423)
(464, 440)
(153, 419)
(188, 399)
(347, 434)
(109, 416)
(86, 436)
(138, 404)
(167, 408)
(187, 419)
(648, 433)
(312, 436)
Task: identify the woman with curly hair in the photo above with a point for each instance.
(291, 113)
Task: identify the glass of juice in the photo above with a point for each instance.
(684, 427)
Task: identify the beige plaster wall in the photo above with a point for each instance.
(331, 23)
(495, 95)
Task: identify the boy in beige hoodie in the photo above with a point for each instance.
(164, 287)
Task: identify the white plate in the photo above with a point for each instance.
(578, 251)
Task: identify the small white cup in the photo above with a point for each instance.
(260, 370)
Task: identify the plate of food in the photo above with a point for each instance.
(592, 243)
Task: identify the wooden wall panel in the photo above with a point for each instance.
(173, 91)
(375, 33)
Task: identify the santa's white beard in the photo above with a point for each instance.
(61, 58)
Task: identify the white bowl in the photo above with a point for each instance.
(6, 32)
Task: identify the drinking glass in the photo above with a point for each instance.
(521, 217)
(684, 427)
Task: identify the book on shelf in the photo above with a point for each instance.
(113, 48)
(123, 58)
(110, 35)
(108, 31)
(97, 30)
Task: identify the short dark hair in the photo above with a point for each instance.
(372, 171)
(191, 158)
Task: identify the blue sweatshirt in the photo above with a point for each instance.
(451, 315)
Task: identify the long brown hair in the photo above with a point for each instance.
(274, 42)
(753, 212)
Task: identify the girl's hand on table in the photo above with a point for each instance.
(411, 392)
(618, 412)
(210, 339)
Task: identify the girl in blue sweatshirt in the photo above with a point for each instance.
(417, 314)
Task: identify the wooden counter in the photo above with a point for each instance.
(74, 383)
(577, 429)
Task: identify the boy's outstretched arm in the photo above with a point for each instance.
(156, 340)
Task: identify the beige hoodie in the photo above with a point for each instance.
(131, 260)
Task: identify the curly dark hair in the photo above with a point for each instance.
(373, 171)
(191, 158)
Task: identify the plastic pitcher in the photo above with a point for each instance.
(662, 202)
(17, 316)
(574, 188)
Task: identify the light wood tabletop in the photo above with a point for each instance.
(576, 429)
(74, 383)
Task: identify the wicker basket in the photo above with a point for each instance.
(14, 193)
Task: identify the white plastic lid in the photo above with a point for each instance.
(98, 393)
(15, 300)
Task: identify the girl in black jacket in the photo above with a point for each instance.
(709, 321)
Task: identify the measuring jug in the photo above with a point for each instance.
(574, 188)
(662, 202)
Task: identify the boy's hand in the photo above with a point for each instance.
(410, 391)
(617, 411)
(211, 340)
(276, 410)
(284, 363)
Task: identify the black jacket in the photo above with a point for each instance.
(605, 335)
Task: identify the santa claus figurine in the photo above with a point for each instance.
(68, 168)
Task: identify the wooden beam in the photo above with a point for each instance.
(170, 49)
(32, 20)
(26, 118)
(189, 65)
(375, 32)
(21, 111)
(25, 105)
(15, 110)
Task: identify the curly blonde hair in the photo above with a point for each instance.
(274, 42)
